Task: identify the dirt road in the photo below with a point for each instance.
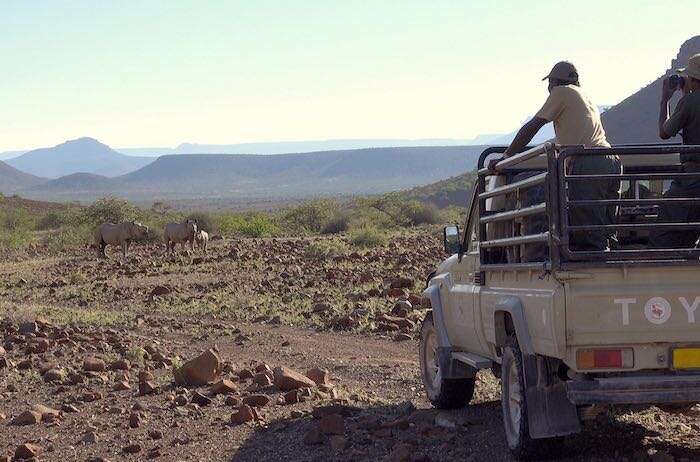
(260, 304)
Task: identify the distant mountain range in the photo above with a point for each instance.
(13, 180)
(85, 155)
(345, 172)
(635, 119)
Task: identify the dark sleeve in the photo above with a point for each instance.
(678, 119)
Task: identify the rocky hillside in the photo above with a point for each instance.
(12, 180)
(635, 119)
(360, 171)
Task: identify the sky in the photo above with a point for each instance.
(162, 72)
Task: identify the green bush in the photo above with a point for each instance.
(247, 225)
(320, 250)
(338, 223)
(112, 210)
(69, 236)
(15, 220)
(418, 213)
(310, 217)
(367, 236)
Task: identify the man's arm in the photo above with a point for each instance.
(664, 110)
(526, 133)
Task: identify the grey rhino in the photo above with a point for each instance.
(180, 233)
(118, 234)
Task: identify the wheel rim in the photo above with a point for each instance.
(512, 403)
(515, 396)
(430, 360)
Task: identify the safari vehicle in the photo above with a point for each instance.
(575, 331)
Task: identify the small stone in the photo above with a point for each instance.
(54, 375)
(223, 386)
(287, 379)
(232, 401)
(319, 376)
(122, 386)
(135, 420)
(180, 400)
(120, 365)
(69, 408)
(27, 451)
(155, 434)
(47, 414)
(146, 388)
(257, 400)
(27, 418)
(200, 399)
(244, 414)
(132, 448)
(94, 365)
(401, 337)
(201, 370)
(297, 414)
(262, 379)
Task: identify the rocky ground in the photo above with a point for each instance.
(263, 349)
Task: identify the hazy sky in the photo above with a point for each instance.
(157, 73)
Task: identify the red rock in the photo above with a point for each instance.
(94, 365)
(199, 399)
(262, 379)
(396, 293)
(223, 386)
(91, 396)
(120, 365)
(257, 400)
(245, 374)
(122, 385)
(232, 401)
(244, 414)
(159, 291)
(287, 379)
(132, 448)
(27, 418)
(54, 375)
(47, 414)
(146, 376)
(332, 424)
(147, 387)
(319, 376)
(27, 451)
(135, 420)
(201, 370)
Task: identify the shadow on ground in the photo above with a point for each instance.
(373, 433)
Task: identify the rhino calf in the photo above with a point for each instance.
(180, 233)
(118, 234)
(202, 239)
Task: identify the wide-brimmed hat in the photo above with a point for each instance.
(563, 70)
(693, 67)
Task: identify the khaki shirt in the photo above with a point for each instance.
(576, 119)
(686, 119)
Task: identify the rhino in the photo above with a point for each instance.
(202, 239)
(118, 234)
(180, 233)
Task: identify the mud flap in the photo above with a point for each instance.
(549, 411)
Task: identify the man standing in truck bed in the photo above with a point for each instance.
(576, 122)
(685, 119)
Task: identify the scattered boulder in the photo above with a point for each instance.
(27, 451)
(257, 400)
(120, 365)
(27, 418)
(244, 414)
(54, 375)
(47, 414)
(94, 365)
(199, 399)
(147, 387)
(159, 291)
(201, 370)
(223, 386)
(287, 379)
(319, 376)
(132, 448)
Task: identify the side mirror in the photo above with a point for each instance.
(450, 235)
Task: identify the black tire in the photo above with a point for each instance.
(515, 417)
(442, 393)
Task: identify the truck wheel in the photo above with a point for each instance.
(442, 393)
(513, 401)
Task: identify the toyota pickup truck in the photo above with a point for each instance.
(571, 332)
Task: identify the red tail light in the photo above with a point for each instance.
(605, 358)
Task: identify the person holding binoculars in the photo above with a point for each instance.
(685, 120)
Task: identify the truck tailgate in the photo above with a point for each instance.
(637, 305)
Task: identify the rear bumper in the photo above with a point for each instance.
(635, 390)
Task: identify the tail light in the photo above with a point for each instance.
(617, 358)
